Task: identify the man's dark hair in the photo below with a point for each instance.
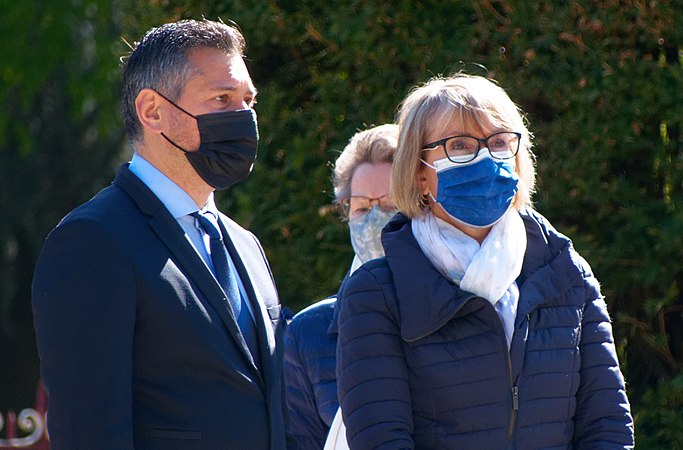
(160, 62)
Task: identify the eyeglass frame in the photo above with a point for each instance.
(442, 143)
(345, 204)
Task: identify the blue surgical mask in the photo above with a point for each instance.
(477, 193)
(366, 233)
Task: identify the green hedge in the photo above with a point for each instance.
(602, 85)
(601, 82)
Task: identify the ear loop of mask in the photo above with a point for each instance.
(482, 154)
(173, 143)
(427, 164)
(433, 199)
(173, 103)
(430, 195)
(183, 110)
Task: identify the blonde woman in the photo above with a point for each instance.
(482, 328)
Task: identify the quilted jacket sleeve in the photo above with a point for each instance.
(603, 417)
(371, 368)
(305, 428)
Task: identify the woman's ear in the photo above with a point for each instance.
(148, 108)
(422, 182)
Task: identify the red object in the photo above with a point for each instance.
(28, 431)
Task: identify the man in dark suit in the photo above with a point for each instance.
(157, 318)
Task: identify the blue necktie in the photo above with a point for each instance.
(227, 280)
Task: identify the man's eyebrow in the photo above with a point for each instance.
(225, 88)
(252, 90)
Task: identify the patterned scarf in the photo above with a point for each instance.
(488, 270)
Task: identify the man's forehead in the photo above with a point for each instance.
(239, 72)
(215, 69)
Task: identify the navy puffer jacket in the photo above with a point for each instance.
(423, 364)
(310, 378)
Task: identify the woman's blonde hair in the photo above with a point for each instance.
(375, 145)
(480, 105)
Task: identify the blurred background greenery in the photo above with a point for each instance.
(601, 82)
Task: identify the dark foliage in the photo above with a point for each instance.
(601, 82)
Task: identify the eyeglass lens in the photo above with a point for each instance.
(465, 148)
(357, 205)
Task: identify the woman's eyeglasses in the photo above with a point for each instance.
(463, 148)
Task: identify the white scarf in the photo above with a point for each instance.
(488, 270)
(336, 437)
(355, 264)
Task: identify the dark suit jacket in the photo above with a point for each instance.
(138, 347)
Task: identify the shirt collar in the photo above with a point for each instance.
(175, 199)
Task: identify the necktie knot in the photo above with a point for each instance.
(208, 223)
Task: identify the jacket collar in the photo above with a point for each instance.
(259, 284)
(265, 304)
(426, 299)
(551, 266)
(549, 269)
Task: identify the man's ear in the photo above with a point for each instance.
(148, 107)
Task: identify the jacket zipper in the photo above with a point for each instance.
(515, 405)
(515, 394)
(513, 388)
(513, 417)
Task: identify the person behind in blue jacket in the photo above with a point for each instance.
(482, 327)
(361, 182)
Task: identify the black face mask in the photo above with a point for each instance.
(227, 146)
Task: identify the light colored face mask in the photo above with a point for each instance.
(366, 231)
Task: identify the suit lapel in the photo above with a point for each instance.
(250, 262)
(173, 237)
